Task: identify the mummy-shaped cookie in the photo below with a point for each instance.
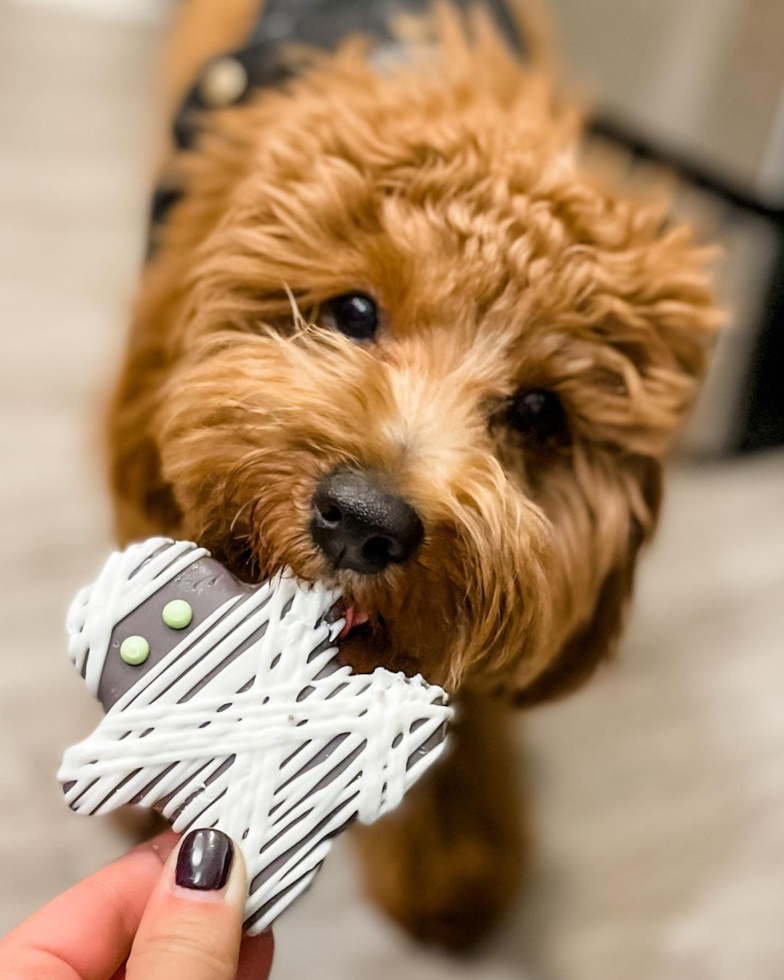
(226, 707)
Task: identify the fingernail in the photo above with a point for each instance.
(204, 860)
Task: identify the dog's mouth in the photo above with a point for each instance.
(363, 640)
(356, 620)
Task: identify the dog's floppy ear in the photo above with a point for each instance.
(595, 640)
(670, 357)
(143, 502)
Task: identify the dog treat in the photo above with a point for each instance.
(226, 707)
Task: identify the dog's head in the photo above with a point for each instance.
(465, 426)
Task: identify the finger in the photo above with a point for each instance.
(192, 926)
(86, 933)
(255, 961)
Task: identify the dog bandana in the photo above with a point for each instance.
(261, 63)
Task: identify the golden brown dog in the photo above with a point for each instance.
(492, 355)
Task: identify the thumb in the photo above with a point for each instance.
(192, 925)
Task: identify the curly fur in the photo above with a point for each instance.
(451, 190)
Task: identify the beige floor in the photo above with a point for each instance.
(658, 792)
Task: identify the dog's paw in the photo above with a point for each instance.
(446, 885)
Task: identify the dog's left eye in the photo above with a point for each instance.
(352, 314)
(538, 413)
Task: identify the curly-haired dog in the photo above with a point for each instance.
(466, 425)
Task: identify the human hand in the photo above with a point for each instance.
(137, 920)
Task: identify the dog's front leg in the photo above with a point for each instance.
(447, 864)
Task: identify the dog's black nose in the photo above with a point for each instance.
(361, 526)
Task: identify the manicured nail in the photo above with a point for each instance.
(204, 861)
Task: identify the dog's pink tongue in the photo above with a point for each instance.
(354, 617)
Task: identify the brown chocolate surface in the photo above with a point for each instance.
(206, 585)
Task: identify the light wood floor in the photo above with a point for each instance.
(658, 792)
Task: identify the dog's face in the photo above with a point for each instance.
(465, 430)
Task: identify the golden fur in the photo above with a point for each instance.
(451, 191)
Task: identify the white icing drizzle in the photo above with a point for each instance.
(124, 584)
(261, 765)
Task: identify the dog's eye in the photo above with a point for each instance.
(352, 314)
(538, 413)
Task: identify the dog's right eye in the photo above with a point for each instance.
(353, 314)
(538, 414)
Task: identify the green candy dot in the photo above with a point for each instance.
(135, 650)
(178, 614)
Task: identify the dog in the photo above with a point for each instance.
(392, 335)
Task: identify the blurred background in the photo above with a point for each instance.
(658, 791)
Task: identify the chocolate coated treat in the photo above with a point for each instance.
(227, 709)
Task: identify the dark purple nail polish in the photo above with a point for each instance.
(204, 861)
